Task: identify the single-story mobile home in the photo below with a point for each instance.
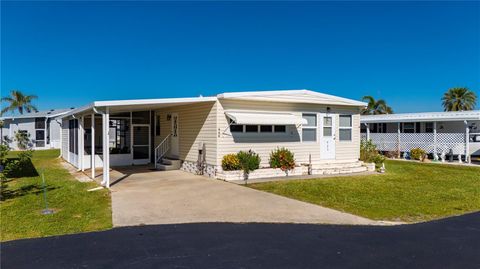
(438, 133)
(43, 128)
(195, 133)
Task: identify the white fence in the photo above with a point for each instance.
(426, 141)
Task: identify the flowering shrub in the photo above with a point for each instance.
(230, 162)
(282, 158)
(418, 154)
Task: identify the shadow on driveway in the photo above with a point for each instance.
(448, 243)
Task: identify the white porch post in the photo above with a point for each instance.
(368, 131)
(92, 154)
(467, 143)
(106, 153)
(80, 143)
(398, 140)
(435, 156)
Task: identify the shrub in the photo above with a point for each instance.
(4, 149)
(282, 158)
(378, 160)
(418, 154)
(249, 161)
(368, 151)
(230, 162)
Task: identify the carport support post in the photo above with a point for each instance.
(467, 143)
(92, 154)
(398, 140)
(368, 131)
(106, 151)
(435, 156)
(80, 142)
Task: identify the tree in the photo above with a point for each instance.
(458, 99)
(376, 107)
(17, 101)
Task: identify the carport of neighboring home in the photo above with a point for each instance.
(198, 132)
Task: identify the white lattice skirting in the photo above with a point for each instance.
(425, 141)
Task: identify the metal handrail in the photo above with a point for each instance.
(162, 149)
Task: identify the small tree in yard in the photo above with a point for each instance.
(249, 161)
(23, 140)
(282, 158)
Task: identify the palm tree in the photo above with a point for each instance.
(376, 107)
(458, 99)
(17, 101)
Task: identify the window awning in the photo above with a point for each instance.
(260, 118)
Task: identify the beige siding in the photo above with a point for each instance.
(196, 123)
(263, 144)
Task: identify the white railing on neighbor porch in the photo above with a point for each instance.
(405, 142)
(162, 149)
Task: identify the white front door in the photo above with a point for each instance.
(141, 143)
(174, 150)
(327, 139)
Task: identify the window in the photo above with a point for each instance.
(409, 127)
(327, 126)
(280, 128)
(39, 132)
(309, 130)
(239, 128)
(39, 123)
(251, 128)
(119, 136)
(428, 127)
(266, 128)
(345, 128)
(73, 136)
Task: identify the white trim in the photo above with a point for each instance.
(422, 117)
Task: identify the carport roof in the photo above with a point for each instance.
(422, 117)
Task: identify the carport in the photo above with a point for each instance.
(119, 133)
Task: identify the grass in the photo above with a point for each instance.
(76, 210)
(409, 191)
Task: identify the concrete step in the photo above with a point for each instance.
(338, 165)
(168, 164)
(171, 161)
(166, 167)
(336, 171)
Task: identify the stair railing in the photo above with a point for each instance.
(162, 149)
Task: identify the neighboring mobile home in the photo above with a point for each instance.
(318, 128)
(43, 126)
(449, 133)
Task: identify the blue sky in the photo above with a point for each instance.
(407, 53)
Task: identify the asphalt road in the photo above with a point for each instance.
(448, 243)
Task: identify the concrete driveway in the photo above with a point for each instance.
(154, 197)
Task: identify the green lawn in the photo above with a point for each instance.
(76, 210)
(407, 192)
